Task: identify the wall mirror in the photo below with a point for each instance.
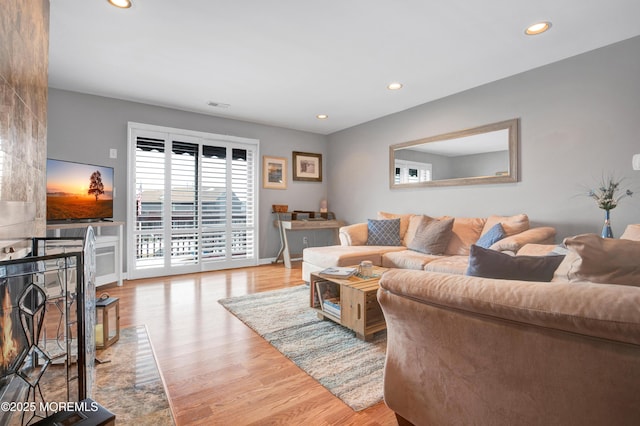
(485, 154)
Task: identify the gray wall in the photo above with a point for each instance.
(84, 127)
(580, 118)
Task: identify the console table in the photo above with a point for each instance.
(303, 221)
(108, 247)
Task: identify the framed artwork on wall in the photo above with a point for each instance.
(274, 172)
(307, 166)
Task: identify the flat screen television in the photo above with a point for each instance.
(78, 191)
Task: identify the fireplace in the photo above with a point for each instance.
(13, 340)
(47, 317)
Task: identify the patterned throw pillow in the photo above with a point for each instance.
(493, 235)
(384, 232)
(432, 236)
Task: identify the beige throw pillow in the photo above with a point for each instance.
(404, 220)
(601, 260)
(511, 224)
(465, 231)
(632, 232)
(432, 236)
(414, 223)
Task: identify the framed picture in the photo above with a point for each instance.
(274, 172)
(307, 166)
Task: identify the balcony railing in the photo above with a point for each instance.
(188, 246)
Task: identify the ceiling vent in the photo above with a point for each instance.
(218, 104)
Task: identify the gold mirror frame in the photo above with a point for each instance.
(464, 136)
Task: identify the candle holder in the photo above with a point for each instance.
(107, 322)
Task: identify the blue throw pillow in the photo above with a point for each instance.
(493, 235)
(489, 263)
(385, 232)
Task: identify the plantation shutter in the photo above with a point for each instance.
(184, 203)
(149, 190)
(243, 204)
(195, 203)
(214, 203)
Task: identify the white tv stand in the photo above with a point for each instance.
(108, 247)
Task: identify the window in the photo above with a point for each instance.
(412, 171)
(195, 201)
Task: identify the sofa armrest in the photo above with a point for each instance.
(572, 307)
(354, 235)
(463, 348)
(513, 243)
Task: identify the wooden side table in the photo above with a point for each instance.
(359, 308)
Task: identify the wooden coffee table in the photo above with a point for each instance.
(359, 308)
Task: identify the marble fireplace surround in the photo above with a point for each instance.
(24, 60)
(16, 228)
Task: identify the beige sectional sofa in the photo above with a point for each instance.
(353, 247)
(473, 350)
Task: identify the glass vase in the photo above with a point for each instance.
(606, 228)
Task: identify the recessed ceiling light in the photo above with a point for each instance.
(394, 86)
(537, 28)
(123, 4)
(322, 116)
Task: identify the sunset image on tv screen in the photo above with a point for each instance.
(78, 191)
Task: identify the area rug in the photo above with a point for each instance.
(128, 382)
(348, 367)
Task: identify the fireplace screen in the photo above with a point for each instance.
(43, 356)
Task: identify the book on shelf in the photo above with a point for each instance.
(329, 296)
(332, 307)
(338, 272)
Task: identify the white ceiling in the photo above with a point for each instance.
(281, 62)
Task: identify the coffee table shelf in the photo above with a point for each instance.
(359, 308)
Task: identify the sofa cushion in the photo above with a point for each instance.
(532, 249)
(346, 255)
(432, 236)
(407, 259)
(404, 220)
(466, 231)
(513, 243)
(448, 264)
(494, 264)
(600, 260)
(511, 224)
(385, 232)
(495, 234)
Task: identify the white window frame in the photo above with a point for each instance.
(135, 130)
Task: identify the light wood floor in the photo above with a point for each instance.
(217, 370)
